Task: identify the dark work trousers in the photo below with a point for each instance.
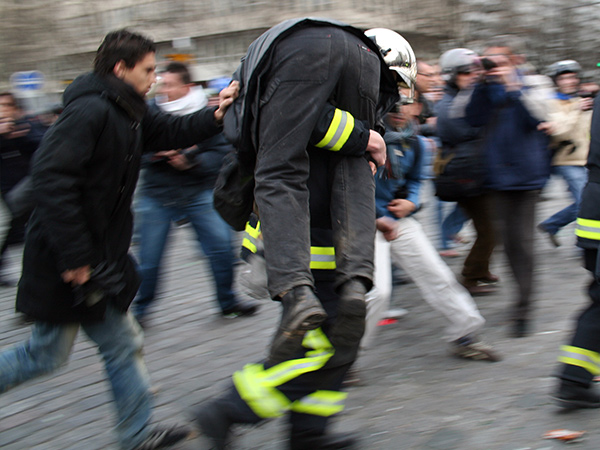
(329, 378)
(587, 333)
(514, 213)
(477, 263)
(309, 68)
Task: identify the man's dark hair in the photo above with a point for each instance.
(121, 45)
(181, 70)
(14, 99)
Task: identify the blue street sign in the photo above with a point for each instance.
(32, 80)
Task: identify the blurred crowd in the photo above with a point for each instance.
(486, 130)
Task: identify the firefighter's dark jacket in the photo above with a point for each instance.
(84, 175)
(588, 218)
(239, 119)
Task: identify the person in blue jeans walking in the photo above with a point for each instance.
(77, 272)
(177, 187)
(571, 117)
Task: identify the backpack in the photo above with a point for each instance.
(459, 171)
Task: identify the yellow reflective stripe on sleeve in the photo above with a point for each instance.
(321, 403)
(266, 402)
(254, 232)
(322, 258)
(251, 237)
(580, 357)
(338, 132)
(588, 229)
(247, 243)
(257, 386)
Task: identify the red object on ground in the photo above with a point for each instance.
(386, 322)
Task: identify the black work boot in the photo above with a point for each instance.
(213, 422)
(333, 441)
(302, 311)
(572, 395)
(349, 325)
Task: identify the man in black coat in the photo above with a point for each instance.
(76, 267)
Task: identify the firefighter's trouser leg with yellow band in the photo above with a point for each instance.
(306, 386)
(581, 359)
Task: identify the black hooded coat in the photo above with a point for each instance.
(84, 175)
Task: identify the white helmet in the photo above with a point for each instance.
(397, 54)
(562, 67)
(457, 60)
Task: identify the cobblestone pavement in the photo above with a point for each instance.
(413, 394)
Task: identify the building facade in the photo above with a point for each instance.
(59, 37)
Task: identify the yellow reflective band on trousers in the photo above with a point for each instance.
(338, 132)
(580, 357)
(321, 403)
(588, 229)
(258, 386)
(251, 237)
(322, 258)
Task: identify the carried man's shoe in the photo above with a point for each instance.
(302, 311)
(349, 325)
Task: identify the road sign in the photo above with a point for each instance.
(32, 80)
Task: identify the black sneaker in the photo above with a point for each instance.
(165, 437)
(302, 311)
(213, 423)
(241, 308)
(574, 396)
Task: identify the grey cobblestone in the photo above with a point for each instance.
(413, 394)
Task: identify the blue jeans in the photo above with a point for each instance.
(213, 233)
(576, 178)
(120, 341)
(451, 224)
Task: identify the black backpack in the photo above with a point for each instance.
(459, 171)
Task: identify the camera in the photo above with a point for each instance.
(488, 64)
(586, 94)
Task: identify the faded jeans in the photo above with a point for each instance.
(119, 339)
(213, 234)
(576, 178)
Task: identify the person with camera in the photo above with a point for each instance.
(571, 118)
(461, 173)
(517, 166)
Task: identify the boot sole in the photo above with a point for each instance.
(286, 343)
(575, 404)
(349, 326)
